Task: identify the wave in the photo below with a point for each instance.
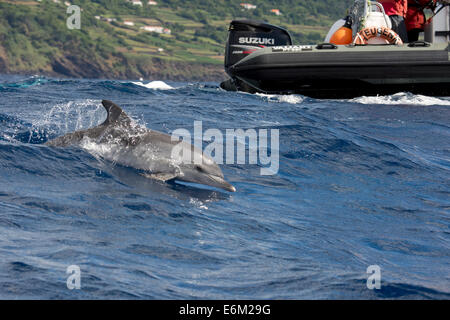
(347, 169)
(155, 85)
(292, 99)
(87, 86)
(403, 98)
(25, 83)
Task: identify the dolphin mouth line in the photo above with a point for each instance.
(223, 184)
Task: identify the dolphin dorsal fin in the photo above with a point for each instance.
(115, 114)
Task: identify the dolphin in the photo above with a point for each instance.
(120, 140)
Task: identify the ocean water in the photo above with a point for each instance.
(361, 182)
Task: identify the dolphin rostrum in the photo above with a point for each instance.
(121, 141)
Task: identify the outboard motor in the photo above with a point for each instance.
(246, 36)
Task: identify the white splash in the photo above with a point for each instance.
(292, 98)
(403, 98)
(68, 117)
(74, 115)
(155, 85)
(199, 204)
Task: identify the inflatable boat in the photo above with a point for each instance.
(260, 58)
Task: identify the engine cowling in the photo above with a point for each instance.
(247, 36)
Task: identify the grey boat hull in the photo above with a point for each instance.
(328, 71)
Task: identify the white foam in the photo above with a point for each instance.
(199, 204)
(403, 98)
(292, 98)
(155, 85)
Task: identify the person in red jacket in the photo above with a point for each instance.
(396, 10)
(415, 17)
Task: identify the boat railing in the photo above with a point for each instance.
(438, 29)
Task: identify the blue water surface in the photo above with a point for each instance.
(361, 182)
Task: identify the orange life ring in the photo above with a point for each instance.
(389, 35)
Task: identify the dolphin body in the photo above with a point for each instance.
(120, 140)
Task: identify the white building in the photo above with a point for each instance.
(152, 3)
(156, 29)
(136, 2)
(248, 6)
(153, 29)
(106, 19)
(128, 23)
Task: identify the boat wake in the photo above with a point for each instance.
(292, 98)
(403, 98)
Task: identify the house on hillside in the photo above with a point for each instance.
(248, 6)
(276, 12)
(136, 2)
(156, 29)
(105, 19)
(152, 3)
(128, 23)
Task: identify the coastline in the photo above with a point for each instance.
(152, 68)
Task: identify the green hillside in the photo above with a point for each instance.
(34, 37)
